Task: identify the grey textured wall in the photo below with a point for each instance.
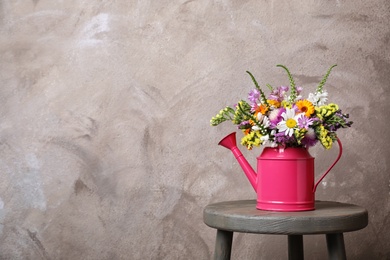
(105, 146)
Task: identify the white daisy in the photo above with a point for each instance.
(289, 122)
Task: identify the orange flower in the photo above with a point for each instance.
(248, 130)
(305, 106)
(261, 109)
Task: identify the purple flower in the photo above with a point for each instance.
(244, 125)
(281, 138)
(253, 96)
(278, 94)
(304, 122)
(299, 89)
(338, 120)
(310, 138)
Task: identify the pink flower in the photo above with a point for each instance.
(275, 116)
(278, 94)
(253, 96)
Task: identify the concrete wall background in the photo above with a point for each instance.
(105, 146)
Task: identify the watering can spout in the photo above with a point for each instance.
(229, 142)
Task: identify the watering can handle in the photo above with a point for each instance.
(337, 159)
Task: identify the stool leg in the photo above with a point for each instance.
(295, 247)
(336, 247)
(223, 245)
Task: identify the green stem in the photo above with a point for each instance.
(263, 98)
(324, 79)
(292, 83)
(245, 113)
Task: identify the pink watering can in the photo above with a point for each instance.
(285, 177)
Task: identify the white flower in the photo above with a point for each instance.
(296, 98)
(255, 128)
(289, 123)
(265, 141)
(318, 99)
(266, 122)
(264, 138)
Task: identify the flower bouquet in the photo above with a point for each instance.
(284, 118)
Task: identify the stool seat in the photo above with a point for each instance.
(330, 218)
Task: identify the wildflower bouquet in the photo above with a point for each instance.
(284, 118)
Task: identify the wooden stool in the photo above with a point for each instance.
(330, 218)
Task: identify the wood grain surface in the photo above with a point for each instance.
(328, 217)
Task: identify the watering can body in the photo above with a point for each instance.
(284, 180)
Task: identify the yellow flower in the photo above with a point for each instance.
(326, 110)
(326, 142)
(324, 138)
(251, 139)
(300, 134)
(286, 104)
(273, 103)
(305, 106)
